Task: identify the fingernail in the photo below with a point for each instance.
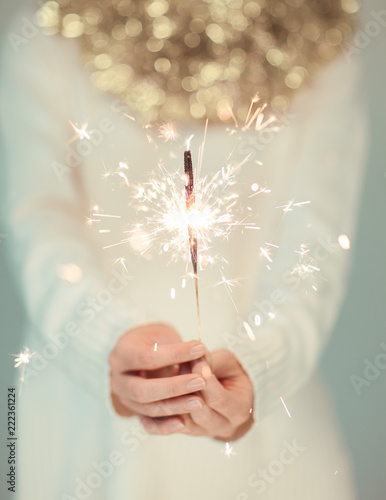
(196, 384)
(176, 426)
(198, 350)
(193, 404)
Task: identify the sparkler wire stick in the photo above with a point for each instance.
(190, 203)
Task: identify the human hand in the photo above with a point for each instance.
(226, 401)
(143, 380)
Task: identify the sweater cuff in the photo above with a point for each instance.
(268, 360)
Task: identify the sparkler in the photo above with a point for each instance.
(186, 210)
(190, 205)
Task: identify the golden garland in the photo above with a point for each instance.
(182, 59)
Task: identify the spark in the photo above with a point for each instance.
(81, 132)
(249, 331)
(258, 117)
(122, 261)
(129, 116)
(256, 189)
(228, 287)
(124, 177)
(120, 172)
(126, 240)
(290, 204)
(22, 359)
(89, 221)
(265, 253)
(285, 406)
(168, 132)
(303, 250)
(228, 283)
(173, 293)
(213, 215)
(306, 268)
(228, 451)
(201, 150)
(155, 347)
(107, 215)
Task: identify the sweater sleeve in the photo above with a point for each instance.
(73, 300)
(316, 167)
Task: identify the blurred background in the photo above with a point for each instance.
(361, 327)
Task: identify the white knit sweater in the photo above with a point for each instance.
(71, 443)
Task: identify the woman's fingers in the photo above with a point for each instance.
(224, 364)
(215, 425)
(144, 390)
(163, 427)
(133, 357)
(227, 403)
(166, 408)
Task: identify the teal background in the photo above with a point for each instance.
(362, 323)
